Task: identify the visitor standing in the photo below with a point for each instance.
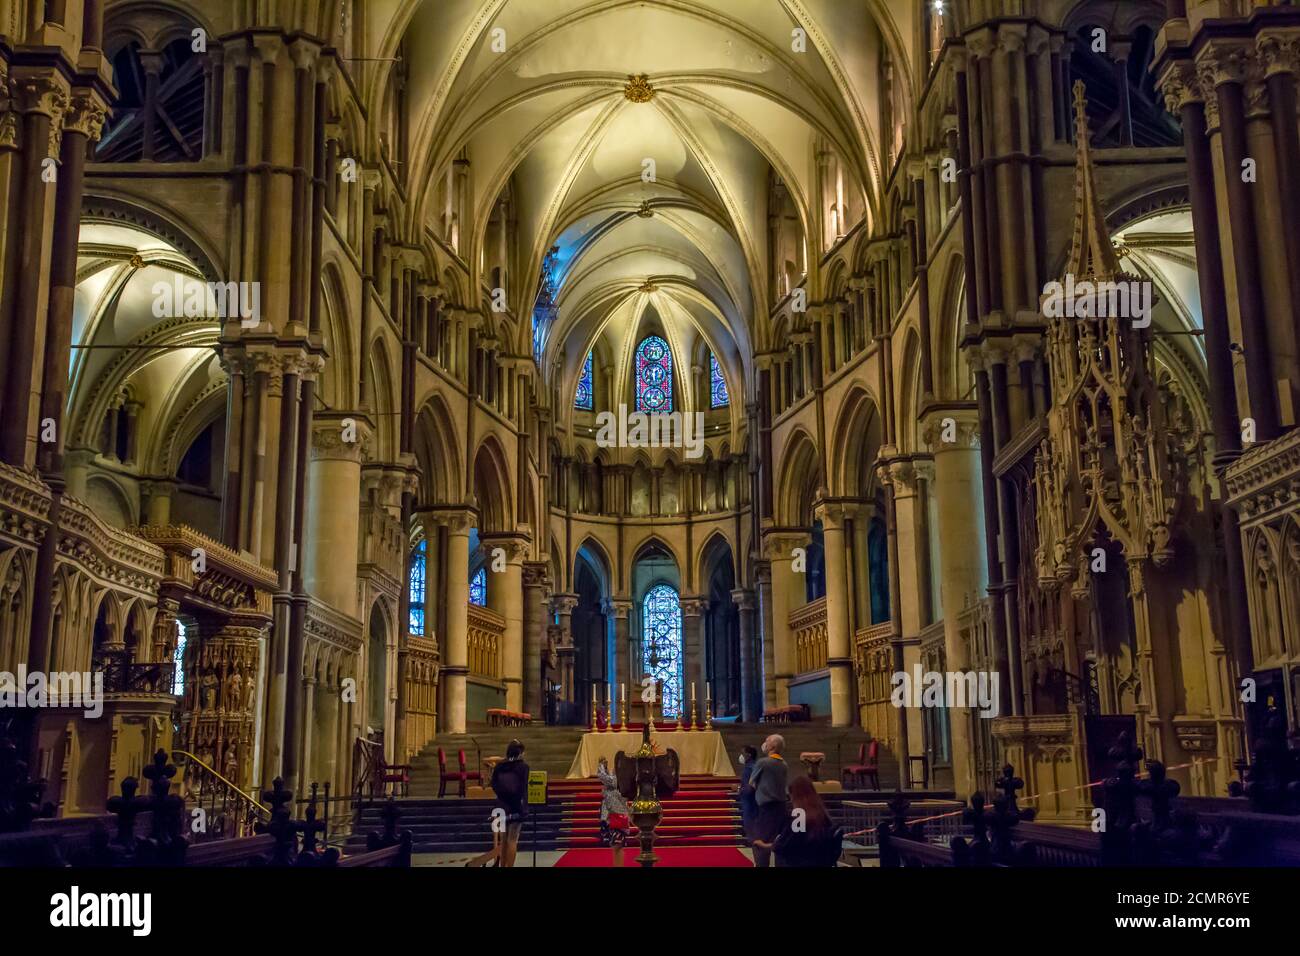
(614, 822)
(510, 784)
(770, 783)
(745, 796)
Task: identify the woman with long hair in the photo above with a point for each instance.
(809, 838)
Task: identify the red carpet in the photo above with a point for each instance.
(702, 815)
(703, 856)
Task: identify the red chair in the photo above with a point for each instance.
(868, 765)
(458, 776)
(398, 774)
(475, 775)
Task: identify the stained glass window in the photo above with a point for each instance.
(718, 384)
(178, 660)
(478, 588)
(582, 397)
(654, 376)
(661, 642)
(417, 588)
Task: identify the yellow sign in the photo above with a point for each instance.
(536, 786)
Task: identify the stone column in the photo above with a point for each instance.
(455, 667)
(839, 644)
(563, 605)
(338, 444)
(534, 584)
(617, 613)
(508, 599)
(765, 635)
(788, 592)
(308, 731)
(954, 436)
(695, 668)
(160, 502)
(751, 701)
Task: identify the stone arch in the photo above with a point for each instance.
(437, 449)
(336, 386)
(593, 553)
(1265, 596)
(857, 439)
(383, 395)
(492, 487)
(909, 399)
(800, 481)
(717, 546)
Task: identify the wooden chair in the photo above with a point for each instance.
(398, 774)
(458, 776)
(475, 775)
(868, 765)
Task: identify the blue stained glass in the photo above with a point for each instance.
(583, 396)
(661, 642)
(718, 385)
(478, 588)
(178, 659)
(416, 583)
(654, 376)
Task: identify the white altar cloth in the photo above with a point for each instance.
(701, 751)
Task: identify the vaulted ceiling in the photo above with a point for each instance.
(538, 95)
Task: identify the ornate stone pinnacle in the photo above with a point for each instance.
(1091, 254)
(638, 89)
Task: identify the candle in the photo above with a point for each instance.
(623, 693)
(692, 691)
(593, 693)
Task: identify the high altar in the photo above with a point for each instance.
(701, 751)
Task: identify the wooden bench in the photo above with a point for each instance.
(794, 713)
(397, 855)
(500, 717)
(237, 852)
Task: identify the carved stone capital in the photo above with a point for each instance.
(744, 600)
(1181, 85)
(1278, 53)
(616, 607)
(86, 114)
(340, 437)
(951, 429)
(563, 604)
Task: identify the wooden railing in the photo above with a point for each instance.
(486, 632)
(808, 632)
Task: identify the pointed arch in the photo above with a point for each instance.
(800, 477)
(437, 449)
(492, 488)
(857, 438)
